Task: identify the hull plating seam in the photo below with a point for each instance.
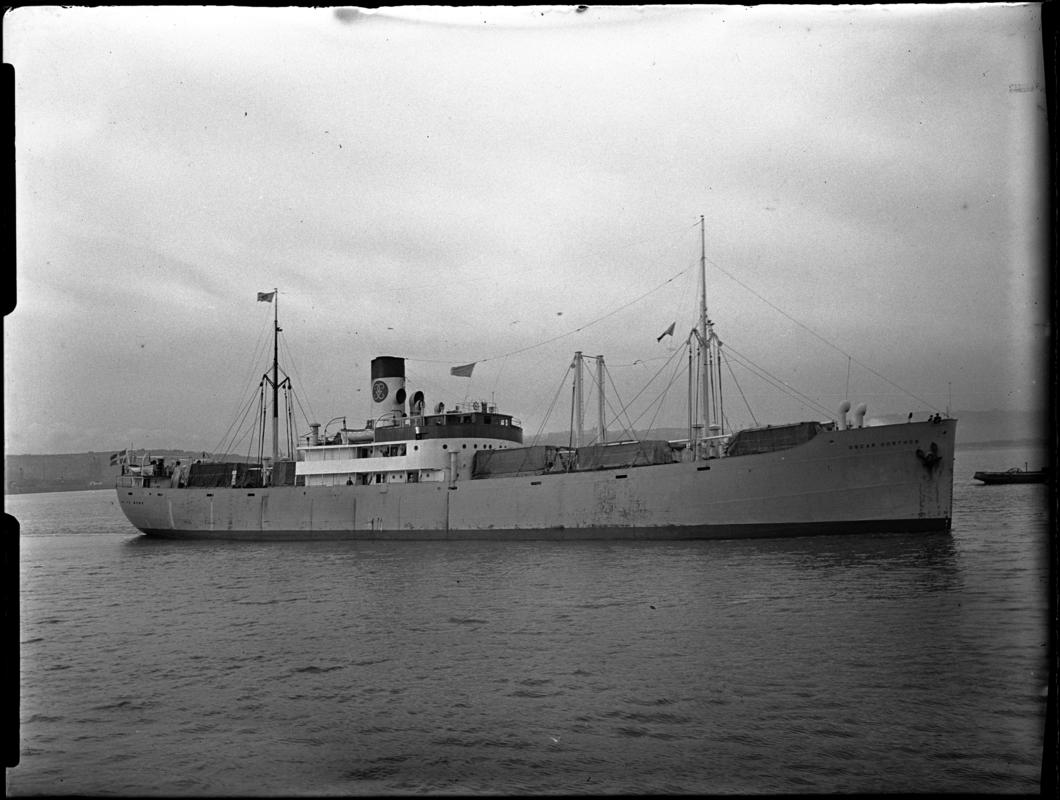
(940, 525)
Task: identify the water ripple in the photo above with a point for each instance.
(890, 663)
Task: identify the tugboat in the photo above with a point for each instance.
(1014, 475)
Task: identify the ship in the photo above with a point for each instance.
(1014, 475)
(419, 471)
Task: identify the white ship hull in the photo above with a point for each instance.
(842, 481)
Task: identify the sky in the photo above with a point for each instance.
(507, 186)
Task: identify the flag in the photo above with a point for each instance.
(118, 458)
(464, 371)
(266, 297)
(668, 332)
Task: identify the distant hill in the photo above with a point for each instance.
(984, 427)
(563, 438)
(973, 427)
(77, 471)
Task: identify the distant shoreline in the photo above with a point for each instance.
(76, 485)
(994, 444)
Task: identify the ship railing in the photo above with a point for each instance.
(714, 446)
(720, 439)
(130, 481)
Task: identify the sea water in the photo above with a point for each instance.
(877, 663)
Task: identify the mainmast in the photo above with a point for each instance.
(710, 414)
(704, 346)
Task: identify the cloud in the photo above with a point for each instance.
(412, 187)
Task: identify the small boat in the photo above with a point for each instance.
(1014, 475)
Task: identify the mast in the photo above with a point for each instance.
(602, 433)
(276, 378)
(691, 394)
(704, 346)
(578, 411)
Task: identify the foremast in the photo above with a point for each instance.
(276, 376)
(274, 298)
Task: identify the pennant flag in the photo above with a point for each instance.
(464, 371)
(668, 332)
(266, 297)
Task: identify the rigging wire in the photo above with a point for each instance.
(780, 386)
(602, 254)
(775, 382)
(551, 407)
(263, 406)
(224, 444)
(659, 398)
(298, 401)
(679, 368)
(623, 410)
(568, 333)
(288, 394)
(720, 384)
(597, 382)
(248, 396)
(608, 403)
(289, 354)
(497, 379)
(570, 440)
(627, 426)
(245, 429)
(658, 401)
(740, 390)
(658, 372)
(821, 338)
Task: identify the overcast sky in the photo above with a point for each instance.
(508, 186)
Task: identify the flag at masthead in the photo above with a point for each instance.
(268, 297)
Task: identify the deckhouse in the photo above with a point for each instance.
(405, 445)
